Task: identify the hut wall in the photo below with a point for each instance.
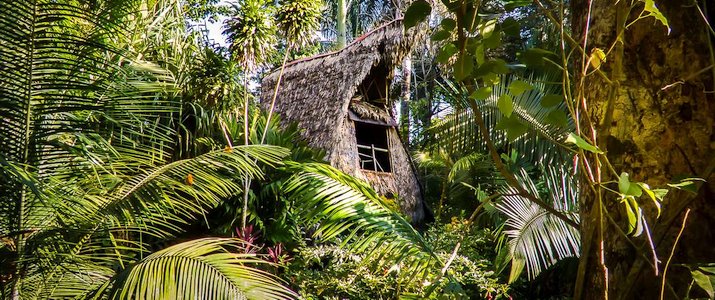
(401, 182)
(406, 184)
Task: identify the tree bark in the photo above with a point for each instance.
(405, 99)
(655, 121)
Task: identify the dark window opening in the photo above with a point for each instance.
(374, 87)
(372, 147)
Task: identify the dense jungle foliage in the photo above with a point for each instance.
(564, 150)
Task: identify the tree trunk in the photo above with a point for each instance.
(342, 23)
(405, 99)
(655, 122)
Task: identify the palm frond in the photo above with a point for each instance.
(208, 268)
(341, 205)
(538, 239)
(176, 193)
(459, 134)
(250, 32)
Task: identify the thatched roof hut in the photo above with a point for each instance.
(340, 101)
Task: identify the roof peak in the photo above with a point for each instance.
(354, 42)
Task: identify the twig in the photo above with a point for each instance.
(275, 95)
(672, 252)
(508, 176)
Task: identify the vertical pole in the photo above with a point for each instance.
(342, 23)
(374, 159)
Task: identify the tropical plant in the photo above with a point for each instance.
(88, 184)
(339, 204)
(535, 131)
(536, 125)
(251, 32)
(536, 238)
(345, 19)
(223, 273)
(298, 21)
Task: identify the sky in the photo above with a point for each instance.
(215, 30)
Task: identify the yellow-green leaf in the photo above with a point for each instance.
(550, 100)
(481, 93)
(517, 87)
(486, 28)
(581, 143)
(505, 105)
(463, 66)
(654, 12)
(597, 58)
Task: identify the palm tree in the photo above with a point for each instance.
(87, 178)
(92, 190)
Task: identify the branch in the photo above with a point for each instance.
(508, 176)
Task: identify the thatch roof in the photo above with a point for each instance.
(316, 91)
(367, 112)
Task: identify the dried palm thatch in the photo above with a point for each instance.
(326, 94)
(369, 111)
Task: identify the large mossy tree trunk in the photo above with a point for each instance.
(656, 122)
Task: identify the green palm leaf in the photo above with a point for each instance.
(538, 239)
(539, 139)
(209, 268)
(341, 205)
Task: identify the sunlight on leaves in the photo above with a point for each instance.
(505, 105)
(581, 143)
(517, 87)
(654, 12)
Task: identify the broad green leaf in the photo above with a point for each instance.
(493, 41)
(581, 143)
(534, 57)
(416, 13)
(481, 93)
(515, 130)
(505, 105)
(550, 100)
(490, 78)
(498, 66)
(557, 118)
(486, 28)
(448, 24)
(479, 54)
(441, 35)
(452, 6)
(624, 183)
(626, 187)
(705, 282)
(463, 67)
(597, 58)
(660, 193)
(511, 27)
(654, 12)
(446, 53)
(517, 87)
